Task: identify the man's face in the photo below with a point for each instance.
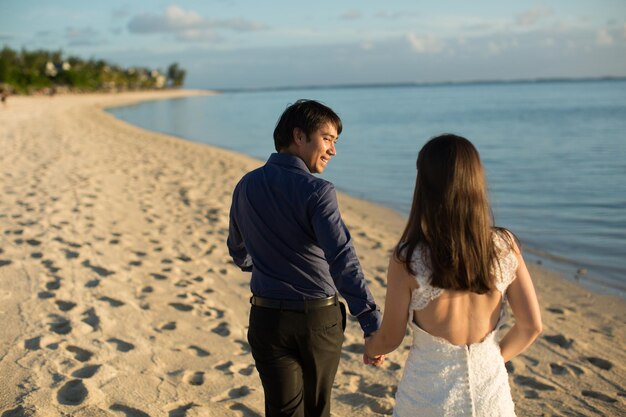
(319, 149)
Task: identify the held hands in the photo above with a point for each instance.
(375, 360)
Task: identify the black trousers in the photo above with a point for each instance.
(297, 355)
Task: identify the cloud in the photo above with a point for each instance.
(85, 36)
(532, 16)
(6, 37)
(604, 38)
(496, 47)
(425, 44)
(395, 15)
(120, 13)
(351, 15)
(188, 25)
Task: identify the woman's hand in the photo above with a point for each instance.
(375, 361)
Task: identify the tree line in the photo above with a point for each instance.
(40, 71)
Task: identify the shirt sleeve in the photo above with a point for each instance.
(335, 240)
(236, 247)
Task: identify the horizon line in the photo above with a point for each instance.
(419, 84)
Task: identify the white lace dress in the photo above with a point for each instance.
(441, 379)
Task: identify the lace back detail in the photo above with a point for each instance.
(504, 271)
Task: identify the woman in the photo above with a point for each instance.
(450, 275)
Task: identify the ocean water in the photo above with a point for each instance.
(554, 154)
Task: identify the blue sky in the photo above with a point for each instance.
(237, 43)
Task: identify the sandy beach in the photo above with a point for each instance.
(118, 297)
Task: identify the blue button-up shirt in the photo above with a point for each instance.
(285, 227)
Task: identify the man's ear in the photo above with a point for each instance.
(298, 135)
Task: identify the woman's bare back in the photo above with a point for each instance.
(460, 317)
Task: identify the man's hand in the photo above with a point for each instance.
(375, 361)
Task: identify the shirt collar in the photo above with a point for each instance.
(287, 159)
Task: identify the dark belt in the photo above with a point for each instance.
(294, 305)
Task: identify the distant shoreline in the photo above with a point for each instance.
(419, 84)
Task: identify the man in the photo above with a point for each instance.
(286, 229)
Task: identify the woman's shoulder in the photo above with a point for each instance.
(418, 259)
(506, 247)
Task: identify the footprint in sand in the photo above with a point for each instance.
(183, 283)
(59, 324)
(112, 301)
(530, 360)
(215, 313)
(169, 326)
(128, 411)
(73, 392)
(558, 369)
(198, 351)
(377, 390)
(531, 382)
(244, 346)
(393, 366)
(92, 283)
(5, 262)
(121, 345)
(86, 372)
(355, 348)
(53, 285)
(33, 344)
(159, 277)
(600, 363)
(181, 307)
(103, 272)
(577, 370)
(91, 318)
(50, 266)
(222, 329)
(184, 258)
(599, 396)
(147, 289)
(45, 295)
(247, 370)
(65, 305)
(232, 394)
(225, 368)
(560, 340)
(70, 254)
(531, 394)
(377, 405)
(381, 281)
(181, 411)
(195, 378)
(245, 410)
(80, 354)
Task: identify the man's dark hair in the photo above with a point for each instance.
(308, 115)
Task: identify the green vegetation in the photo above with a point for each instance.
(40, 71)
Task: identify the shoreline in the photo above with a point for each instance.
(592, 277)
(121, 296)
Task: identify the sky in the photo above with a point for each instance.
(227, 44)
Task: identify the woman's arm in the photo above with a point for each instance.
(523, 300)
(396, 313)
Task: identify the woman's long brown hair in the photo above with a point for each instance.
(451, 217)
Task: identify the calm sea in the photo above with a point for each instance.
(554, 152)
